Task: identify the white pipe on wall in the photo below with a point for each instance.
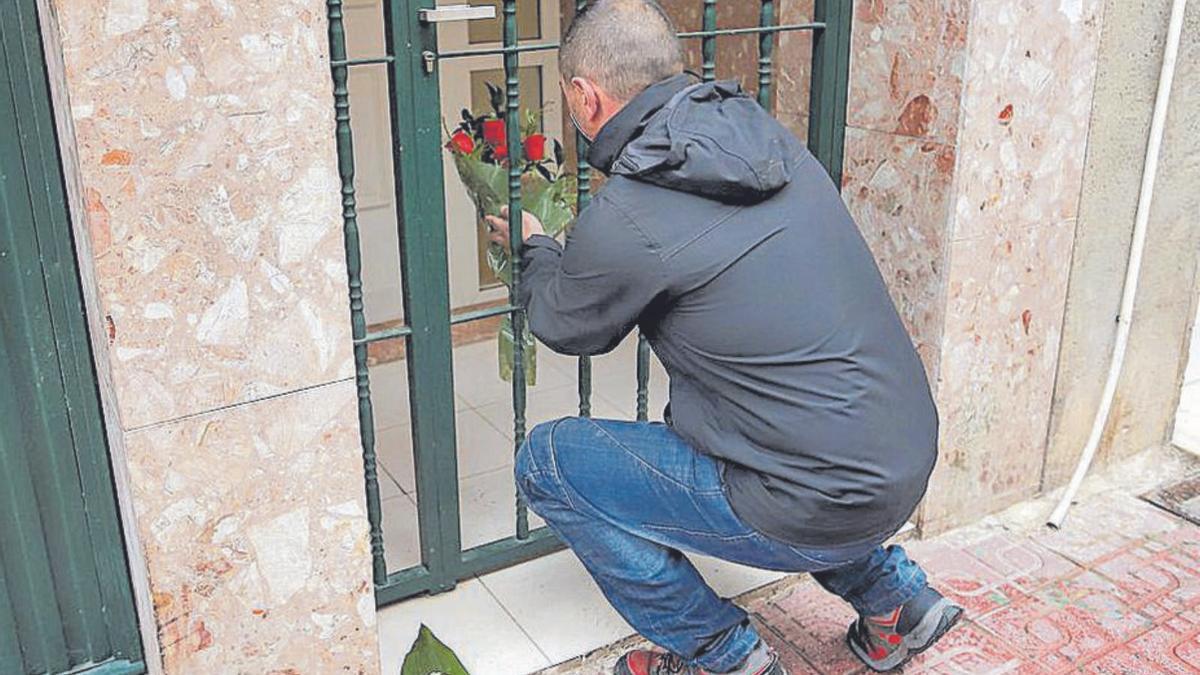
(1134, 267)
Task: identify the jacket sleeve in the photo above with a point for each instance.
(585, 298)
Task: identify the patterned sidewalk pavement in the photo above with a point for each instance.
(1117, 590)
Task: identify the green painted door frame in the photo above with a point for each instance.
(66, 602)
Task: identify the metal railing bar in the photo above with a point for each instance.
(583, 196)
(547, 46)
(477, 314)
(358, 322)
(374, 60)
(643, 378)
(380, 336)
(403, 585)
(516, 152)
(766, 46)
(721, 32)
(497, 555)
(708, 45)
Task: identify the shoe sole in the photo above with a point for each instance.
(937, 622)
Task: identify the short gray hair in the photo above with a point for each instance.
(623, 46)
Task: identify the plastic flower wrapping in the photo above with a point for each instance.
(479, 146)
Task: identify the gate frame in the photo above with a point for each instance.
(416, 127)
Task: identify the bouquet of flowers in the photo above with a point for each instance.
(479, 146)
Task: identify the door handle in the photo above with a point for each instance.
(456, 13)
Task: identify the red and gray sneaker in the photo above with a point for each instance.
(887, 642)
(762, 661)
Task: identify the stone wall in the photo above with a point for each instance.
(1022, 137)
(204, 135)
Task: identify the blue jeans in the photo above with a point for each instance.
(628, 497)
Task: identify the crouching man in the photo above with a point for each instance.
(801, 432)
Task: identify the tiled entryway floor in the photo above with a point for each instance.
(484, 429)
(1117, 590)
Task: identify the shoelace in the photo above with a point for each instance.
(670, 664)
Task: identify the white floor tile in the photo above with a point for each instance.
(487, 506)
(730, 579)
(471, 622)
(481, 448)
(401, 543)
(556, 602)
(393, 446)
(477, 374)
(389, 394)
(545, 404)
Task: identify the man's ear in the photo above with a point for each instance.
(589, 96)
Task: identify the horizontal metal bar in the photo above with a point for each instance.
(507, 552)
(362, 62)
(756, 30)
(380, 336)
(546, 46)
(478, 314)
(403, 585)
(495, 51)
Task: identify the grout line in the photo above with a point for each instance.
(518, 624)
(239, 404)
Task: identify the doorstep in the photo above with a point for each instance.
(544, 612)
(531, 616)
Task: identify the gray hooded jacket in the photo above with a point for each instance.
(724, 240)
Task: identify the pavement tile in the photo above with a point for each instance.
(1024, 564)
(1165, 649)
(1158, 583)
(1066, 623)
(964, 578)
(965, 649)
(789, 656)
(1101, 527)
(814, 622)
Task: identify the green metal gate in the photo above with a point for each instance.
(415, 115)
(65, 598)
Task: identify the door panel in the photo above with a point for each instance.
(65, 597)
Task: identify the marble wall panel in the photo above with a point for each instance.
(899, 189)
(793, 67)
(253, 523)
(1026, 107)
(906, 66)
(1004, 309)
(205, 135)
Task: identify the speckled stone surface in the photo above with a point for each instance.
(205, 134)
(898, 189)
(1025, 116)
(207, 158)
(253, 522)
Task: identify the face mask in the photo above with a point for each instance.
(578, 128)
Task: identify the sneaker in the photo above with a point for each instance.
(762, 661)
(887, 642)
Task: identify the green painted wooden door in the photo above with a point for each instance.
(65, 598)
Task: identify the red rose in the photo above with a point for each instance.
(462, 142)
(500, 152)
(494, 133)
(535, 148)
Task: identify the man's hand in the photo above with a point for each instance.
(498, 227)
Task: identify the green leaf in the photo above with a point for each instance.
(429, 656)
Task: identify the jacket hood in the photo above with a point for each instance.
(709, 139)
